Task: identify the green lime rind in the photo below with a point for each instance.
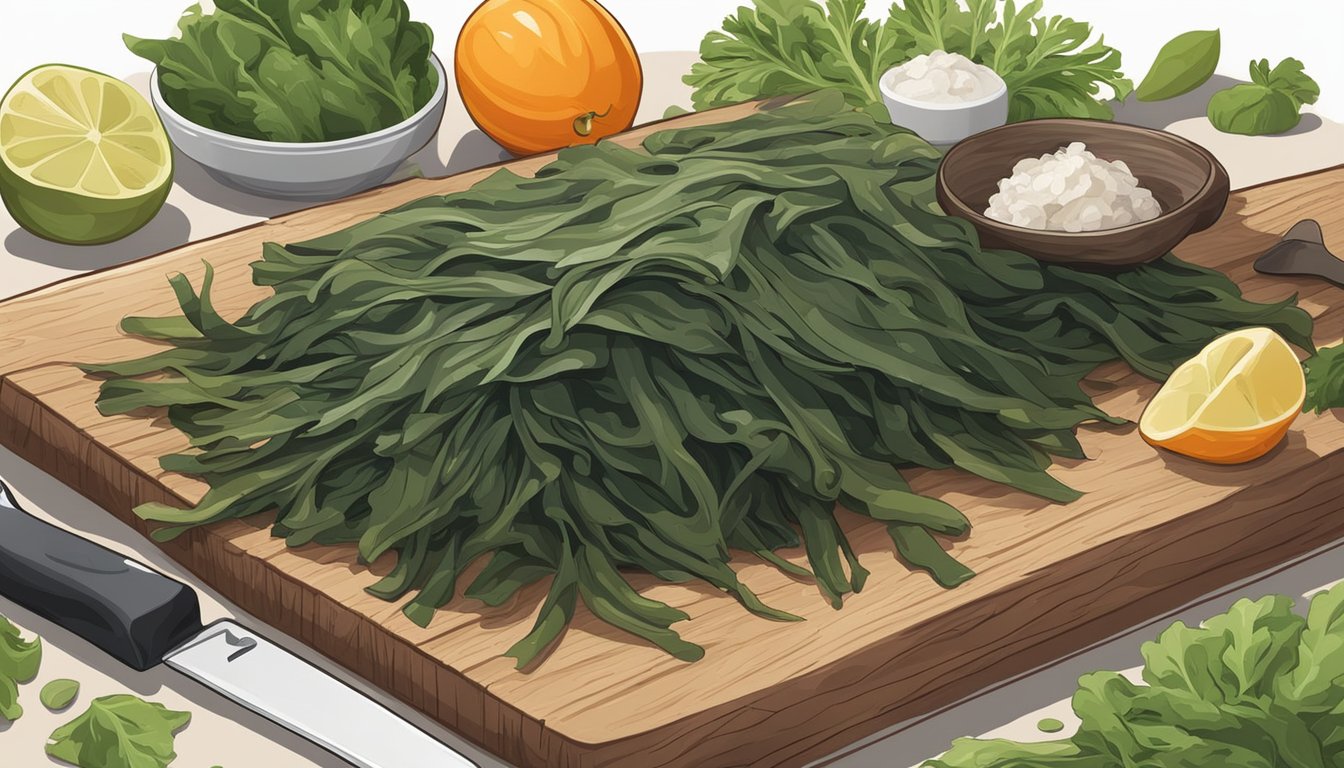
(68, 217)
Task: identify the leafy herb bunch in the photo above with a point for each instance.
(781, 47)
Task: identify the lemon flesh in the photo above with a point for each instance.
(1231, 402)
(83, 157)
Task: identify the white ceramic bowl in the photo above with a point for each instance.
(317, 170)
(944, 124)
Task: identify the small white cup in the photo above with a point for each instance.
(945, 123)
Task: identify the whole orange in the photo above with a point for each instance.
(538, 75)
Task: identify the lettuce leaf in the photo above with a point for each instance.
(307, 70)
(1256, 687)
(783, 47)
(119, 731)
(19, 660)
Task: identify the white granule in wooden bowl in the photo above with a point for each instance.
(1072, 190)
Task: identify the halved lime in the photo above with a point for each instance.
(83, 157)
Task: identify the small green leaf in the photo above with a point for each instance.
(58, 694)
(120, 731)
(1050, 725)
(676, 110)
(19, 661)
(1183, 64)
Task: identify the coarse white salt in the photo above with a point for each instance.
(1072, 190)
(942, 78)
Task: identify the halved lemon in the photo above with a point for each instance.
(1232, 402)
(83, 157)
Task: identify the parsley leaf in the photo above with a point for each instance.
(795, 46)
(791, 46)
(1050, 68)
(311, 70)
(1325, 379)
(120, 731)
(19, 660)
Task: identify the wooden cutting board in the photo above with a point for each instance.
(1152, 531)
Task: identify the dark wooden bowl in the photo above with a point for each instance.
(1186, 179)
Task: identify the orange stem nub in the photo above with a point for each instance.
(583, 124)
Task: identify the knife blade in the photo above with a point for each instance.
(143, 618)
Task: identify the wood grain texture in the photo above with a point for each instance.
(1152, 531)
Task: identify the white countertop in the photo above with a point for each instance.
(87, 32)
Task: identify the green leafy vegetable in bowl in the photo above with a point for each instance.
(1270, 103)
(1256, 687)
(646, 358)
(794, 46)
(295, 70)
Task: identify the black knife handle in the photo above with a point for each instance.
(131, 612)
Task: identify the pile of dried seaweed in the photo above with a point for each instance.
(641, 359)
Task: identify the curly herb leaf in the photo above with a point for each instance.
(783, 47)
(795, 46)
(119, 731)
(19, 662)
(648, 358)
(1047, 62)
